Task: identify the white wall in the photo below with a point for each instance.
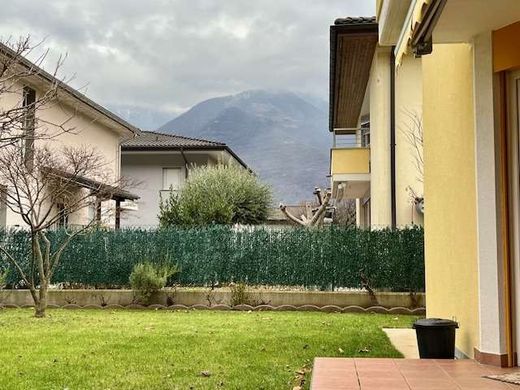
(146, 171)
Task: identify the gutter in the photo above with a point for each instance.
(182, 149)
(393, 200)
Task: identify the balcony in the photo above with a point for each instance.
(350, 165)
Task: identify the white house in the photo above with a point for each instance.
(158, 162)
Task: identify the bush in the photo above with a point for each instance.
(169, 211)
(221, 195)
(239, 295)
(147, 278)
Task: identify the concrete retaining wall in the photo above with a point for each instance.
(222, 297)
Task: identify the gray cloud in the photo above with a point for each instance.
(166, 55)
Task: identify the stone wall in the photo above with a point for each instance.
(222, 299)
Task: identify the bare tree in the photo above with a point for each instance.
(414, 134)
(345, 213)
(58, 183)
(17, 120)
(313, 216)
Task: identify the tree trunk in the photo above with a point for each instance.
(40, 306)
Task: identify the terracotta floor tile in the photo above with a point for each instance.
(481, 383)
(404, 374)
(380, 383)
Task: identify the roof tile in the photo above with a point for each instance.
(153, 139)
(350, 20)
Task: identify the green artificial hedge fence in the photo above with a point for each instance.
(323, 258)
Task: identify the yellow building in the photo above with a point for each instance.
(376, 157)
(458, 63)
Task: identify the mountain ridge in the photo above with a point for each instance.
(283, 137)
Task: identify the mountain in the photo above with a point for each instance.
(283, 137)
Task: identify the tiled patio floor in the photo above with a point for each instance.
(404, 374)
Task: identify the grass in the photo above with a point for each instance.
(123, 349)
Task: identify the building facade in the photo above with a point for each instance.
(459, 61)
(68, 120)
(375, 119)
(158, 163)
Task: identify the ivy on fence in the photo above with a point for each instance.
(324, 258)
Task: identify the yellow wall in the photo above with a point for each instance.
(350, 160)
(379, 89)
(450, 198)
(506, 48)
(408, 115)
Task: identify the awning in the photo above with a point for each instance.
(418, 28)
(100, 189)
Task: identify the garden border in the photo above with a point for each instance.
(326, 309)
(222, 299)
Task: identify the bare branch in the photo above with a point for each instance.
(314, 217)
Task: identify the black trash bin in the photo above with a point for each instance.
(436, 338)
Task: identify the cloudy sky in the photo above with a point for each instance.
(159, 57)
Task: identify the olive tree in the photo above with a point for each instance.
(221, 194)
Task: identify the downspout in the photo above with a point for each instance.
(392, 139)
(185, 163)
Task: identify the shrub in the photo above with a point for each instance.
(147, 278)
(220, 195)
(169, 213)
(239, 295)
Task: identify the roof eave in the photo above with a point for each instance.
(223, 148)
(335, 30)
(44, 75)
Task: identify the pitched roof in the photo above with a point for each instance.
(37, 71)
(153, 140)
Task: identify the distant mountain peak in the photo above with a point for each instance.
(282, 135)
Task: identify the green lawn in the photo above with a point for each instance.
(123, 349)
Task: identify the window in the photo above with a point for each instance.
(63, 220)
(171, 179)
(29, 100)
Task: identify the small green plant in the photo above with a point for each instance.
(169, 211)
(147, 278)
(239, 294)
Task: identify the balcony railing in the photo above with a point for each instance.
(357, 139)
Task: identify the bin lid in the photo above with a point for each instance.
(434, 322)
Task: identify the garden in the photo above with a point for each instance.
(211, 246)
(129, 349)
